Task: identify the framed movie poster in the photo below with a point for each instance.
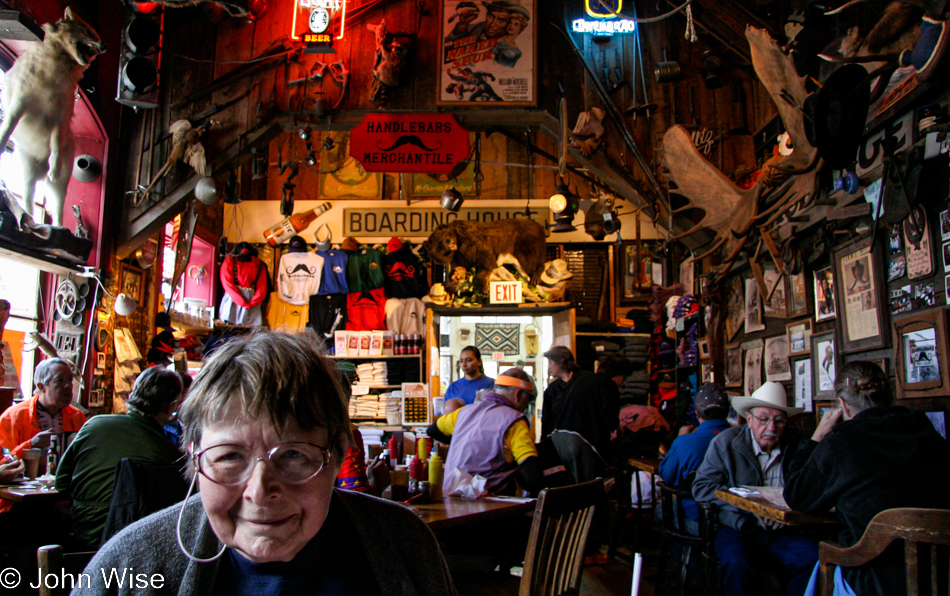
(824, 364)
(488, 53)
(861, 316)
(776, 304)
(920, 341)
(824, 294)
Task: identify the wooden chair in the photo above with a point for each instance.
(926, 536)
(58, 565)
(673, 529)
(554, 560)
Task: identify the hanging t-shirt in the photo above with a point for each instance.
(334, 272)
(283, 316)
(299, 276)
(364, 270)
(366, 311)
(404, 274)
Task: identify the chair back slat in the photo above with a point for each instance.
(555, 554)
(51, 561)
(926, 537)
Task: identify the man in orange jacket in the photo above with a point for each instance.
(31, 423)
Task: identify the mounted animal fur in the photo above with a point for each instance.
(474, 244)
(38, 96)
(392, 50)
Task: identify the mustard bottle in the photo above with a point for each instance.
(435, 474)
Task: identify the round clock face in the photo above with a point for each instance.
(319, 20)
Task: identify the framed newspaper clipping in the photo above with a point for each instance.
(860, 279)
(488, 53)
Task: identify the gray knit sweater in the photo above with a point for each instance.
(403, 554)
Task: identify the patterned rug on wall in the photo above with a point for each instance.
(498, 337)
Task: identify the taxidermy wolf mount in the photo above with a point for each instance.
(38, 96)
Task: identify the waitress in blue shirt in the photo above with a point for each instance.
(470, 361)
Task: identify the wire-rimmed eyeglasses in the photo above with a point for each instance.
(765, 420)
(229, 465)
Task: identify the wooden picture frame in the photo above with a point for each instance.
(775, 305)
(823, 406)
(824, 364)
(777, 365)
(862, 319)
(734, 368)
(825, 300)
(132, 282)
(799, 337)
(735, 307)
(635, 272)
(796, 293)
(920, 354)
(703, 345)
(483, 60)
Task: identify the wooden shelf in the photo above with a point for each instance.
(609, 334)
(378, 386)
(376, 357)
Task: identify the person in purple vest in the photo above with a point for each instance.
(491, 438)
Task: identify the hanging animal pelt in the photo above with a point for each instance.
(392, 50)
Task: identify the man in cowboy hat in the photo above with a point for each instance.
(758, 453)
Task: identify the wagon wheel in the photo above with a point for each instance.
(67, 298)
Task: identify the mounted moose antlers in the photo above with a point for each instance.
(730, 211)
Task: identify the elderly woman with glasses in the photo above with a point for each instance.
(266, 428)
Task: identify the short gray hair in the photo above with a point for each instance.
(153, 390)
(44, 372)
(862, 385)
(281, 376)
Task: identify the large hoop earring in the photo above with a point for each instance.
(181, 545)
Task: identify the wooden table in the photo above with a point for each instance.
(452, 512)
(647, 464)
(759, 505)
(29, 494)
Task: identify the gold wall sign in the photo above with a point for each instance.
(422, 222)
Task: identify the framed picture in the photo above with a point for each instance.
(488, 54)
(707, 372)
(920, 341)
(132, 282)
(433, 185)
(703, 349)
(753, 307)
(753, 369)
(824, 364)
(776, 359)
(861, 316)
(799, 337)
(919, 257)
(824, 294)
(735, 308)
(776, 303)
(733, 366)
(797, 295)
(801, 375)
(823, 406)
(636, 270)
(945, 225)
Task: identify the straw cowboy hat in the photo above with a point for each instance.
(437, 295)
(769, 395)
